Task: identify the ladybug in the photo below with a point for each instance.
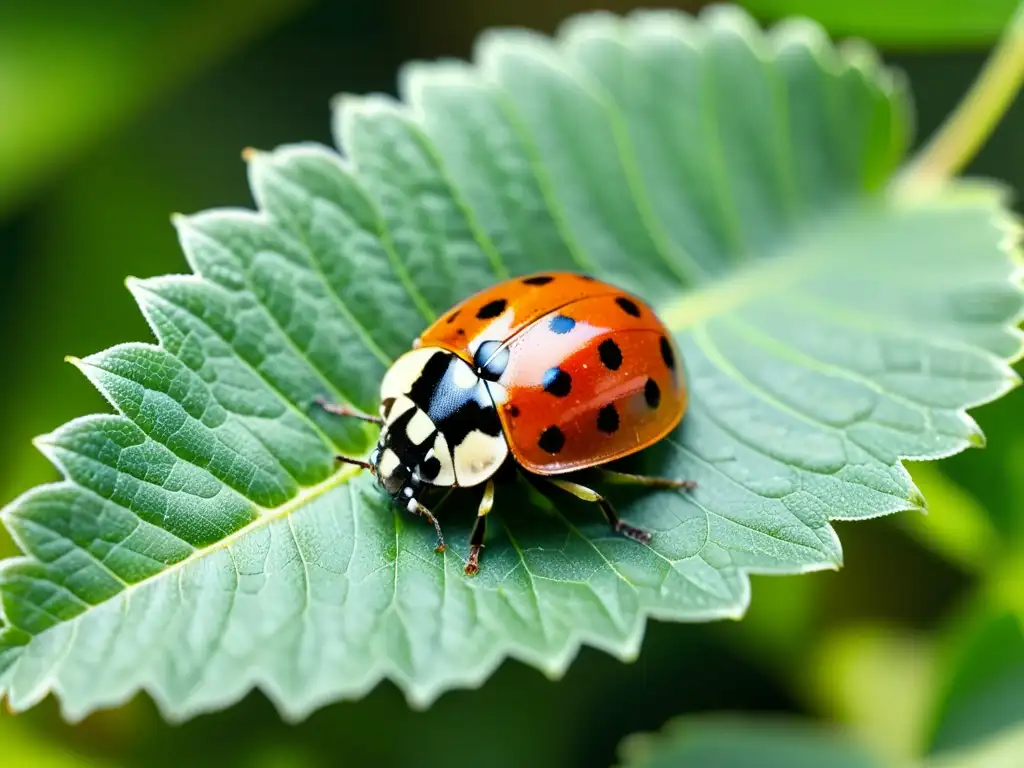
(547, 374)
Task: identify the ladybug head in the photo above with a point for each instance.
(397, 480)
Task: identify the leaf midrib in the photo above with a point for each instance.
(755, 277)
(267, 516)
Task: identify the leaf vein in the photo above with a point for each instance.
(31, 523)
(784, 351)
(679, 260)
(284, 399)
(548, 194)
(718, 358)
(361, 331)
(716, 163)
(250, 295)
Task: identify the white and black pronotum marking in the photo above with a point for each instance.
(440, 426)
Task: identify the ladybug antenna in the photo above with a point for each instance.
(359, 463)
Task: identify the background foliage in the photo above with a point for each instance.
(938, 663)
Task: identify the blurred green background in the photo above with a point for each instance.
(114, 114)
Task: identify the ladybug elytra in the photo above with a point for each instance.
(549, 373)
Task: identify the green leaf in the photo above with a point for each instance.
(203, 541)
(878, 681)
(773, 742)
(981, 689)
(1003, 750)
(904, 23)
(741, 741)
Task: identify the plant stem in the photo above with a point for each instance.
(964, 131)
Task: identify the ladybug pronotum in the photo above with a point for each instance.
(549, 374)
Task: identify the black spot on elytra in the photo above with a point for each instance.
(452, 316)
(588, 278)
(491, 360)
(557, 382)
(608, 419)
(430, 468)
(561, 324)
(551, 440)
(538, 280)
(513, 411)
(667, 354)
(610, 354)
(629, 307)
(461, 332)
(652, 393)
(491, 309)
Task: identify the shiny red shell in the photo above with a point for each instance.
(591, 374)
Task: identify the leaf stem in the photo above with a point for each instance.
(970, 124)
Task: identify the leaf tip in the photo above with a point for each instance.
(917, 501)
(341, 101)
(83, 363)
(630, 654)
(341, 118)
(47, 444)
(834, 562)
(553, 670)
(42, 443)
(588, 25)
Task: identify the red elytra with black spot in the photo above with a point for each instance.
(591, 373)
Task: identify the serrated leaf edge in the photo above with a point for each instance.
(851, 52)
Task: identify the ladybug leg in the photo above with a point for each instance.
(344, 410)
(476, 540)
(357, 462)
(587, 494)
(418, 509)
(624, 478)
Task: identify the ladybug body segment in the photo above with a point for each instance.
(556, 372)
(440, 426)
